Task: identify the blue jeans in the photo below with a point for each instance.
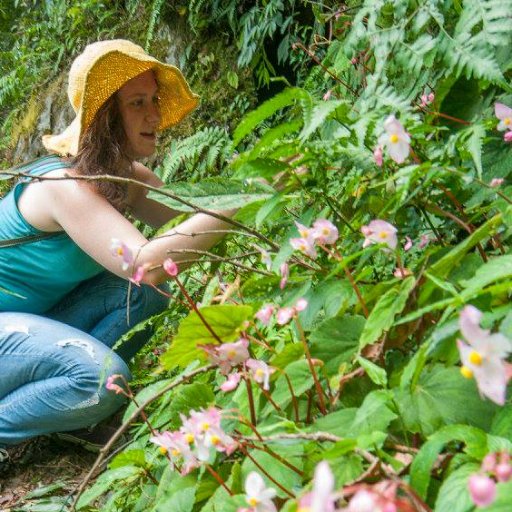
(53, 368)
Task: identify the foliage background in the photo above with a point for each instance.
(392, 376)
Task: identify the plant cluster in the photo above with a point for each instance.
(347, 348)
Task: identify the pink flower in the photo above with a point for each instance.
(231, 382)
(112, 386)
(508, 136)
(227, 355)
(120, 249)
(257, 495)
(424, 240)
(402, 273)
(482, 490)
(285, 273)
(504, 114)
(408, 243)
(396, 140)
(377, 155)
(176, 446)
(327, 95)
(489, 463)
(503, 472)
(260, 372)
(496, 182)
(363, 501)
(324, 232)
(284, 315)
(321, 498)
(265, 257)
(380, 232)
(265, 313)
(304, 231)
(305, 246)
(301, 304)
(483, 356)
(170, 267)
(203, 427)
(427, 99)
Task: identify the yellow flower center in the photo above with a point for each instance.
(507, 121)
(175, 452)
(383, 235)
(304, 509)
(475, 358)
(466, 372)
(231, 354)
(120, 251)
(325, 231)
(259, 372)
(163, 450)
(302, 247)
(205, 426)
(253, 502)
(215, 440)
(393, 138)
(189, 438)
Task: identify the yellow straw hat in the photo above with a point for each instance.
(102, 69)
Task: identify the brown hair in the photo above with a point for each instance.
(103, 151)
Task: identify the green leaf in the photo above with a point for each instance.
(495, 269)
(336, 341)
(44, 490)
(376, 373)
(225, 320)
(476, 446)
(283, 99)
(503, 498)
(383, 314)
(318, 116)
(129, 458)
(474, 146)
(106, 481)
(502, 422)
(301, 380)
(232, 79)
(442, 397)
(338, 423)
(288, 478)
(374, 414)
(190, 396)
(212, 194)
(454, 494)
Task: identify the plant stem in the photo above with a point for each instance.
(219, 479)
(250, 398)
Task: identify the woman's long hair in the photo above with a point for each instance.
(103, 151)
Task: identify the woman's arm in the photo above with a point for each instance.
(151, 212)
(92, 222)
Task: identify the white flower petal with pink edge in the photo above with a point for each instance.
(301, 304)
(284, 315)
(305, 246)
(504, 114)
(258, 495)
(260, 372)
(483, 355)
(363, 501)
(170, 267)
(231, 382)
(284, 270)
(322, 497)
(120, 249)
(378, 155)
(380, 232)
(324, 232)
(396, 139)
(265, 313)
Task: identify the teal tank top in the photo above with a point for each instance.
(37, 274)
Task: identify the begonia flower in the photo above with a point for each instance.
(327, 95)
(231, 383)
(395, 139)
(260, 372)
(284, 315)
(363, 501)
(482, 490)
(120, 249)
(112, 386)
(427, 99)
(258, 495)
(324, 232)
(503, 472)
(175, 445)
(378, 155)
(265, 257)
(305, 246)
(304, 231)
(170, 267)
(496, 182)
(408, 244)
(227, 355)
(508, 136)
(504, 114)
(424, 241)
(321, 498)
(380, 232)
(284, 270)
(402, 273)
(483, 355)
(265, 313)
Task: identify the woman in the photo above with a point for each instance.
(66, 300)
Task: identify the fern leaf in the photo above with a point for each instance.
(283, 99)
(314, 117)
(474, 146)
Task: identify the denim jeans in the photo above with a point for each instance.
(53, 368)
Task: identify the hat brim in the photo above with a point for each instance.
(109, 73)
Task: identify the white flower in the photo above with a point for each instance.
(396, 140)
(257, 495)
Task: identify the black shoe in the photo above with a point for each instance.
(92, 439)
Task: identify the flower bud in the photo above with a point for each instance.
(482, 489)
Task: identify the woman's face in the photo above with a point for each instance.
(138, 104)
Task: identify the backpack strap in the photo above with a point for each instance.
(28, 239)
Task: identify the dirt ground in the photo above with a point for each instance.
(64, 465)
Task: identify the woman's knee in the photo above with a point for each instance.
(145, 301)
